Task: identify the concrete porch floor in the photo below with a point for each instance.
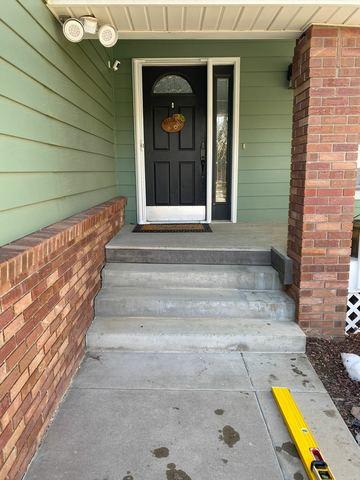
(227, 236)
(150, 416)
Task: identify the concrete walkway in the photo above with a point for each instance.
(148, 416)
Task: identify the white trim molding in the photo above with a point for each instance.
(202, 2)
(177, 214)
(196, 213)
(209, 139)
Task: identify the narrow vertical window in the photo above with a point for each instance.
(222, 139)
(223, 86)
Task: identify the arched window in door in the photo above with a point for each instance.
(171, 84)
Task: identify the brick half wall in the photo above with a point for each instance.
(48, 281)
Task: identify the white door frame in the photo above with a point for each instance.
(137, 65)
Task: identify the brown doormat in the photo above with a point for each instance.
(173, 228)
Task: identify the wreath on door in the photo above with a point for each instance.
(173, 124)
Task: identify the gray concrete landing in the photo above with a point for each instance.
(176, 416)
(224, 236)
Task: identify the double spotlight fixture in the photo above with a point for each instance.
(75, 29)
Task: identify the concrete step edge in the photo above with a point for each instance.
(125, 334)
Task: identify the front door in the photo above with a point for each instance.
(175, 143)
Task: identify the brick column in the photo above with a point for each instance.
(326, 127)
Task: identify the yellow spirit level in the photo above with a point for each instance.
(309, 452)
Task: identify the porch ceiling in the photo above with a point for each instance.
(222, 19)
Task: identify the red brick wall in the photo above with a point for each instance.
(326, 126)
(48, 283)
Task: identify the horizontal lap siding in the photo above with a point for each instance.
(265, 119)
(56, 122)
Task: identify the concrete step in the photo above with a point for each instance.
(188, 255)
(150, 334)
(191, 276)
(189, 302)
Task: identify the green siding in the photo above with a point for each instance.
(265, 119)
(56, 122)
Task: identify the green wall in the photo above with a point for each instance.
(265, 119)
(56, 121)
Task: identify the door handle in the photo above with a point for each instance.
(203, 158)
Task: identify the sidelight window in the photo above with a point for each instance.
(222, 124)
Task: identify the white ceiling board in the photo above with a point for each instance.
(355, 19)
(139, 18)
(323, 14)
(80, 11)
(302, 18)
(229, 17)
(157, 18)
(193, 17)
(175, 18)
(59, 11)
(120, 16)
(342, 15)
(103, 15)
(204, 19)
(265, 17)
(212, 17)
(283, 17)
(248, 18)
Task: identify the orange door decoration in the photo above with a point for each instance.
(173, 124)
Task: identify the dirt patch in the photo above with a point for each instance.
(219, 411)
(173, 474)
(161, 452)
(229, 436)
(298, 476)
(297, 370)
(93, 356)
(289, 448)
(325, 357)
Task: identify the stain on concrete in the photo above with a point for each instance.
(242, 347)
(128, 477)
(298, 476)
(289, 448)
(173, 474)
(273, 378)
(229, 436)
(297, 370)
(305, 382)
(204, 369)
(175, 408)
(93, 356)
(161, 452)
(330, 413)
(219, 411)
(224, 460)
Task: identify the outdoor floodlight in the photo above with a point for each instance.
(108, 36)
(73, 30)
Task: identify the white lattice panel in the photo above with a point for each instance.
(353, 313)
